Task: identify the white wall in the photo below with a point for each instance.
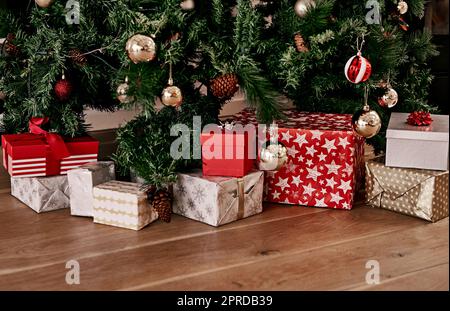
(107, 120)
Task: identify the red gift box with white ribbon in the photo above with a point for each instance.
(45, 154)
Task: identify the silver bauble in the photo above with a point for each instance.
(366, 122)
(172, 96)
(44, 3)
(402, 7)
(187, 5)
(141, 48)
(389, 99)
(303, 6)
(122, 93)
(273, 157)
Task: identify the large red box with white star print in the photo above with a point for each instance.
(325, 160)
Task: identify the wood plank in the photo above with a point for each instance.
(32, 240)
(430, 279)
(335, 267)
(222, 249)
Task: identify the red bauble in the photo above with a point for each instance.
(358, 69)
(419, 118)
(63, 88)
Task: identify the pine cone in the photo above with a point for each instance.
(162, 203)
(300, 44)
(12, 49)
(78, 57)
(10, 37)
(224, 87)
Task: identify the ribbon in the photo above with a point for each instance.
(57, 145)
(228, 125)
(241, 198)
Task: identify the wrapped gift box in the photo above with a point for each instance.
(122, 204)
(229, 153)
(82, 181)
(411, 146)
(30, 155)
(42, 194)
(325, 160)
(218, 200)
(414, 192)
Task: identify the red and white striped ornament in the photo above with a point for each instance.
(358, 69)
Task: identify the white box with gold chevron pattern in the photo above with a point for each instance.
(122, 204)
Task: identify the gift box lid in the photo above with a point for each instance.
(18, 145)
(311, 121)
(405, 178)
(123, 187)
(227, 137)
(93, 167)
(399, 129)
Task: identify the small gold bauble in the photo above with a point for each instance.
(402, 7)
(44, 3)
(187, 5)
(141, 48)
(303, 6)
(2, 95)
(122, 93)
(366, 122)
(273, 157)
(172, 96)
(389, 99)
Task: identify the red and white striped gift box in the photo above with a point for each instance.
(28, 155)
(76, 161)
(32, 167)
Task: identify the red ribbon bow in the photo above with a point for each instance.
(57, 145)
(419, 118)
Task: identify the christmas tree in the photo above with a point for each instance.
(307, 44)
(60, 57)
(205, 49)
(302, 47)
(192, 55)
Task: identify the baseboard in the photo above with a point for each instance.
(108, 146)
(108, 143)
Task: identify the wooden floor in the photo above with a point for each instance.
(283, 248)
